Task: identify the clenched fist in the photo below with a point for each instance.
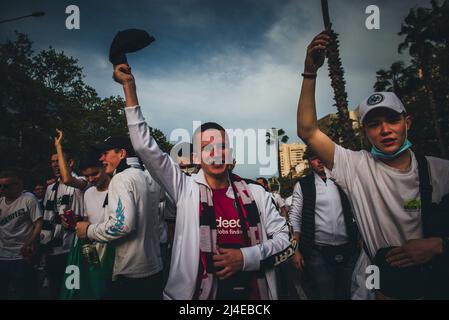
(122, 74)
(316, 52)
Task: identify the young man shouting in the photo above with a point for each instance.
(228, 235)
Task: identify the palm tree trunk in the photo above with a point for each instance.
(336, 73)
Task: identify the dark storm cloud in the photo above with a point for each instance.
(234, 62)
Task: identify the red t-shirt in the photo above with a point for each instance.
(229, 229)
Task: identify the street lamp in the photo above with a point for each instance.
(34, 14)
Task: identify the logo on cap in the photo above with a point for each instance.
(375, 99)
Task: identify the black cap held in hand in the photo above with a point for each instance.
(126, 41)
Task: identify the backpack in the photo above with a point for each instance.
(435, 221)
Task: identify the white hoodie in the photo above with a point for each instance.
(132, 223)
(184, 190)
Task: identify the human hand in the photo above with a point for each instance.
(81, 229)
(122, 74)
(27, 251)
(231, 260)
(298, 260)
(316, 53)
(65, 222)
(58, 137)
(414, 252)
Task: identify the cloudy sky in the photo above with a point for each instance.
(234, 62)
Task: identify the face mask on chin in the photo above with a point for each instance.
(378, 154)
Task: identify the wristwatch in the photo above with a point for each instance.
(309, 75)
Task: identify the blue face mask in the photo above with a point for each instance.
(386, 156)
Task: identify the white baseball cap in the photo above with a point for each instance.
(380, 100)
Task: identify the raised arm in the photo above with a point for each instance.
(64, 168)
(161, 167)
(307, 123)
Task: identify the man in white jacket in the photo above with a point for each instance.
(229, 236)
(132, 225)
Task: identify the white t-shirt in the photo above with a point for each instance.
(16, 224)
(93, 205)
(330, 227)
(384, 198)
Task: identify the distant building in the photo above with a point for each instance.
(292, 159)
(327, 123)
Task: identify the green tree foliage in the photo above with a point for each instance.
(423, 84)
(43, 91)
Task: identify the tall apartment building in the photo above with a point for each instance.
(292, 159)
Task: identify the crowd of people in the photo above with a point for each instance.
(190, 228)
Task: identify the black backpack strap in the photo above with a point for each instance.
(351, 226)
(435, 224)
(425, 191)
(425, 187)
(308, 190)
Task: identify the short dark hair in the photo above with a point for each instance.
(208, 126)
(90, 160)
(68, 154)
(204, 127)
(309, 154)
(39, 182)
(263, 179)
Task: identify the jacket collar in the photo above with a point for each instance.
(201, 179)
(319, 179)
(130, 162)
